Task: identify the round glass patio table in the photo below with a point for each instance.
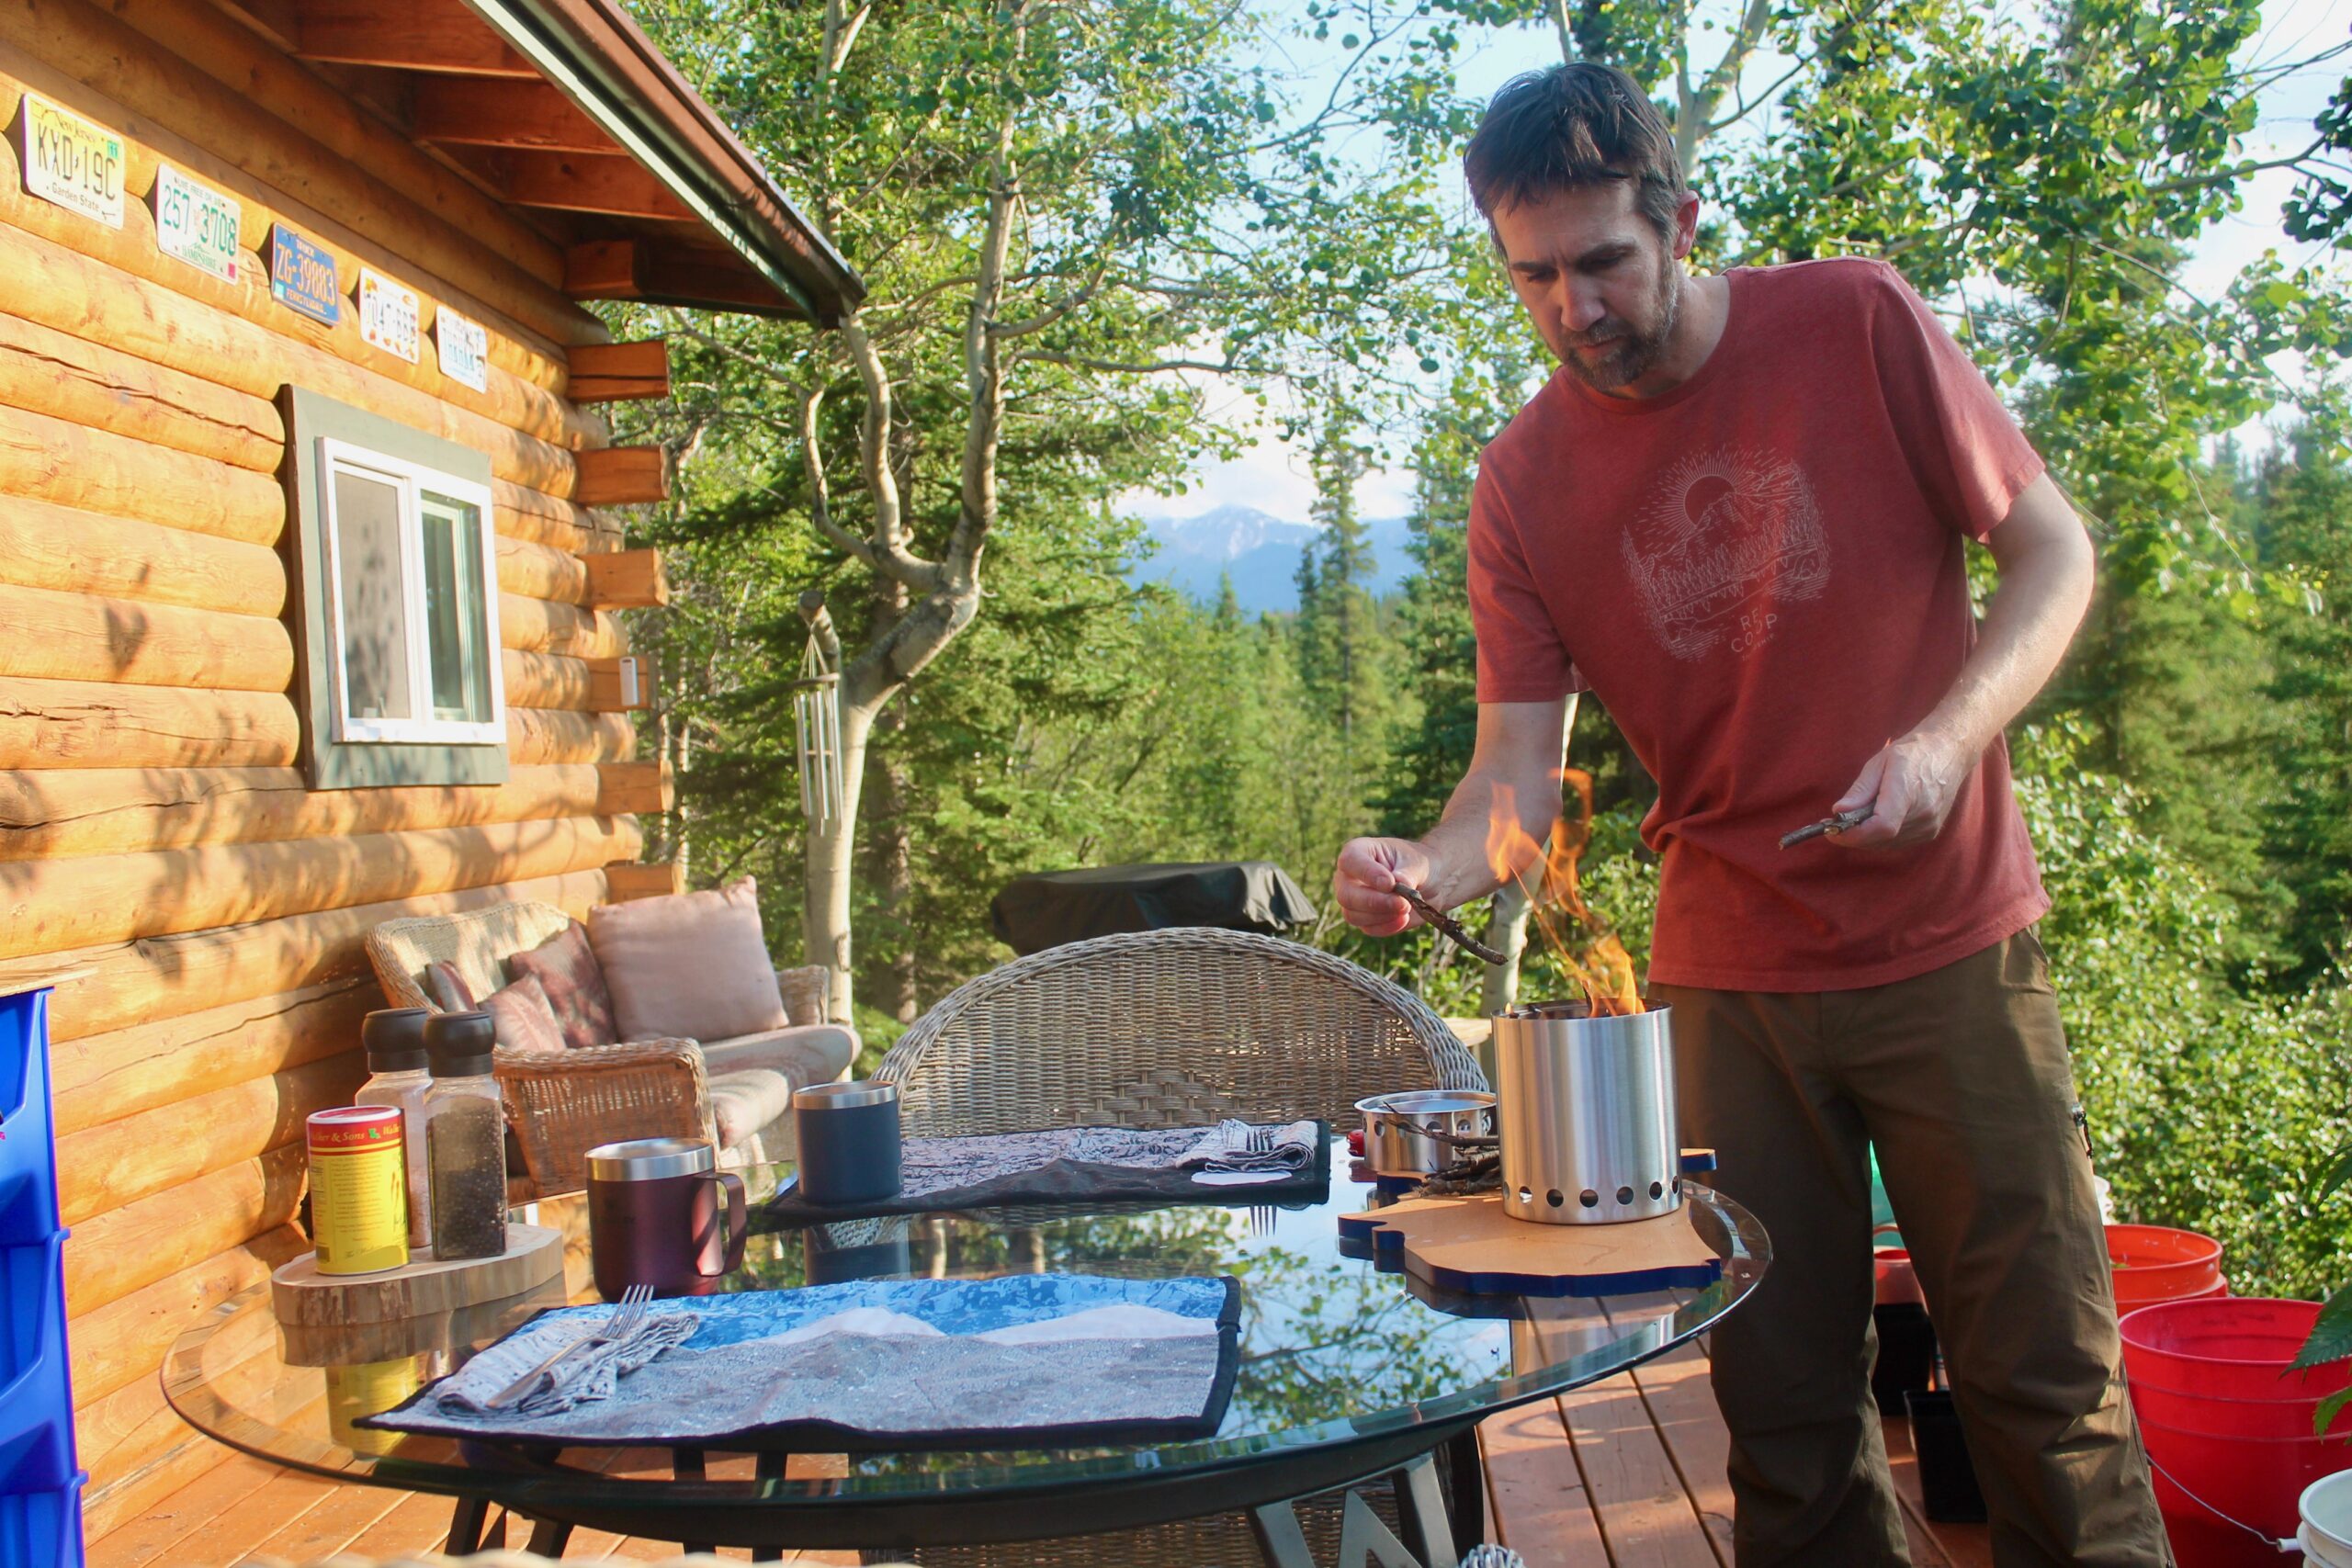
(1349, 1369)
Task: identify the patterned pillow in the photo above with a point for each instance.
(565, 967)
(448, 988)
(525, 1023)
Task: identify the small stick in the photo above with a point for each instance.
(1831, 826)
(1447, 924)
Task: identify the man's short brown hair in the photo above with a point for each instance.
(1570, 126)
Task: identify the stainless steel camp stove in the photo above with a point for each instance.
(1586, 1115)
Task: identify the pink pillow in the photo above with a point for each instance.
(565, 967)
(524, 1021)
(690, 966)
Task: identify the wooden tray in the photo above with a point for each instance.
(1470, 1246)
(301, 1295)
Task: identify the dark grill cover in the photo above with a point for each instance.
(1054, 907)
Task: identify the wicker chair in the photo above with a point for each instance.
(1166, 1028)
(560, 1107)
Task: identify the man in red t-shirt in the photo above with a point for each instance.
(1738, 513)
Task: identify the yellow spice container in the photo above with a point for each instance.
(358, 1190)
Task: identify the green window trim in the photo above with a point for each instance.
(439, 520)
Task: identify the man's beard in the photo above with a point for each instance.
(1633, 353)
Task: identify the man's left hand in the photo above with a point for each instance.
(1910, 786)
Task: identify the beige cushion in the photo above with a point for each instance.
(688, 964)
(811, 1054)
(742, 1103)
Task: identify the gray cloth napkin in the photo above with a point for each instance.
(591, 1375)
(1227, 1146)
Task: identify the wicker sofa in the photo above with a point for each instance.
(737, 1092)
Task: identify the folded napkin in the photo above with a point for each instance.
(1234, 1146)
(591, 1375)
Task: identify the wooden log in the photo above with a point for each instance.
(619, 686)
(70, 465)
(551, 735)
(542, 626)
(125, 1249)
(103, 1078)
(654, 881)
(54, 814)
(621, 476)
(439, 35)
(516, 353)
(627, 580)
(120, 1162)
(337, 1305)
(636, 789)
(105, 284)
(549, 681)
(160, 63)
(540, 519)
(46, 545)
(124, 1341)
(518, 114)
(541, 571)
(119, 985)
(84, 724)
(78, 637)
(620, 372)
(50, 905)
(72, 379)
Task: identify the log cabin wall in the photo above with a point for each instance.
(155, 829)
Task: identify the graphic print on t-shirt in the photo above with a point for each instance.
(1728, 537)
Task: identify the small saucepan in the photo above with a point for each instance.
(1396, 1129)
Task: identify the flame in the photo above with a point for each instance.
(1605, 971)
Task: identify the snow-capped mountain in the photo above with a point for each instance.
(1261, 552)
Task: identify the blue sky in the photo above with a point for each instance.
(1275, 477)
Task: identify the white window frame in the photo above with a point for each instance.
(409, 479)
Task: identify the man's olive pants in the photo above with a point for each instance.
(1961, 1079)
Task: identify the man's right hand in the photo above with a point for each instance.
(1363, 883)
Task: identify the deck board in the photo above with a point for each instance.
(1626, 1474)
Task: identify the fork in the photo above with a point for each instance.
(627, 1314)
(1261, 1215)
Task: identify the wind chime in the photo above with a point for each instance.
(817, 714)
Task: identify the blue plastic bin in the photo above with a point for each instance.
(40, 1488)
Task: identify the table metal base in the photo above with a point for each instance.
(1433, 1536)
(1421, 1511)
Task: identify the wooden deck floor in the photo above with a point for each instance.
(1626, 1474)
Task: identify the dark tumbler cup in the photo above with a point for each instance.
(653, 1217)
(849, 1142)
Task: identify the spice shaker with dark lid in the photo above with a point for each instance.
(465, 1134)
(394, 1039)
(459, 1043)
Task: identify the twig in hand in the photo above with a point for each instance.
(1447, 924)
(1831, 826)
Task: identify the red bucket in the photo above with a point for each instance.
(2227, 1348)
(2158, 1263)
(2255, 1482)
(2280, 1418)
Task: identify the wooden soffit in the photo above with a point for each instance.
(565, 113)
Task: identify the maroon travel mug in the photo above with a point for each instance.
(653, 1217)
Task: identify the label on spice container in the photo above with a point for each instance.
(302, 275)
(463, 345)
(73, 162)
(196, 223)
(390, 316)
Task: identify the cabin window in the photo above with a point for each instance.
(395, 555)
(414, 626)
